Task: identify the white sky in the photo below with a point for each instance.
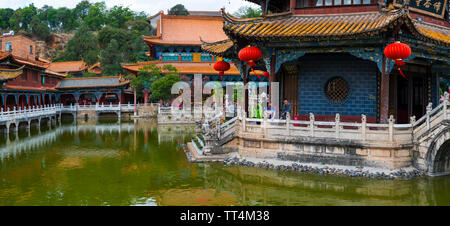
(149, 6)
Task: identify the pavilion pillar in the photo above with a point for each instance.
(16, 98)
(76, 98)
(384, 93)
(120, 97)
(292, 4)
(4, 101)
(272, 74)
(263, 7)
(42, 98)
(246, 75)
(135, 104)
(145, 97)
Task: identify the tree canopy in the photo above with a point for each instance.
(179, 10)
(95, 15)
(247, 12)
(151, 77)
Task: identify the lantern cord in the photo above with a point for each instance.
(255, 73)
(401, 72)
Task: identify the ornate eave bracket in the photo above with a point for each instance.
(375, 56)
(283, 56)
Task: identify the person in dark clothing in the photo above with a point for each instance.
(285, 108)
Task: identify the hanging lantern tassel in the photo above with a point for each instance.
(401, 72)
(221, 75)
(255, 73)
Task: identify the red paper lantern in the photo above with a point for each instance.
(221, 67)
(250, 55)
(266, 74)
(397, 51)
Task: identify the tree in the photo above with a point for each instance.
(148, 75)
(82, 9)
(96, 18)
(82, 45)
(247, 12)
(5, 15)
(108, 33)
(111, 58)
(179, 10)
(39, 28)
(118, 16)
(66, 20)
(162, 88)
(138, 51)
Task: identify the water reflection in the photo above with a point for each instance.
(138, 163)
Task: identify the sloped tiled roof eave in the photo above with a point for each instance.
(286, 26)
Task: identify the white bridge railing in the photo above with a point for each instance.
(363, 131)
(432, 118)
(100, 107)
(29, 112)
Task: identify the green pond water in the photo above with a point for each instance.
(140, 163)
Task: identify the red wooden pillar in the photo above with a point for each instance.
(292, 4)
(76, 98)
(98, 98)
(272, 74)
(135, 104)
(120, 97)
(146, 96)
(384, 93)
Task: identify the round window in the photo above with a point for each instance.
(336, 89)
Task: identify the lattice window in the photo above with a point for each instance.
(336, 89)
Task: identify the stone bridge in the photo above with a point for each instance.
(28, 115)
(432, 141)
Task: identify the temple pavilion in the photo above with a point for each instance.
(328, 56)
(178, 42)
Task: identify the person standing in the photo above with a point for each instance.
(285, 108)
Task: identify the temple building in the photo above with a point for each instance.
(26, 82)
(178, 42)
(75, 68)
(328, 56)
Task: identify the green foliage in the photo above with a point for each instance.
(5, 15)
(83, 46)
(247, 12)
(94, 26)
(161, 88)
(111, 58)
(106, 34)
(118, 16)
(179, 10)
(39, 28)
(150, 75)
(96, 18)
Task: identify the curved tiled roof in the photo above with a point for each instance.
(68, 66)
(187, 30)
(187, 67)
(220, 48)
(8, 74)
(286, 26)
(91, 82)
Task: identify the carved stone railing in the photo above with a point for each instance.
(29, 112)
(364, 132)
(432, 118)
